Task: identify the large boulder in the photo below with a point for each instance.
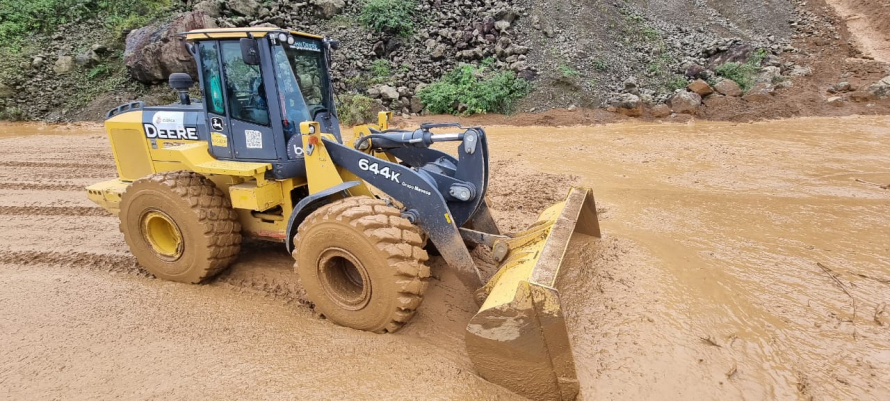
(154, 52)
(761, 92)
(701, 87)
(628, 104)
(881, 89)
(685, 102)
(209, 7)
(728, 87)
(330, 8)
(247, 8)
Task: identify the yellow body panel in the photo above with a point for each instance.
(129, 145)
(249, 196)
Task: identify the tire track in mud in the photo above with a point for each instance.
(35, 186)
(277, 285)
(53, 211)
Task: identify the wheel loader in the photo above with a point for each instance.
(261, 155)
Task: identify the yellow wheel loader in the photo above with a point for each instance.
(261, 155)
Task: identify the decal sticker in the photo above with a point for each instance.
(366, 165)
(219, 139)
(254, 139)
(447, 218)
(306, 44)
(217, 123)
(295, 148)
(169, 125)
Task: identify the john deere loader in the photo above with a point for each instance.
(261, 155)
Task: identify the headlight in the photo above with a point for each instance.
(282, 37)
(290, 40)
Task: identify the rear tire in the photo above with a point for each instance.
(180, 226)
(361, 264)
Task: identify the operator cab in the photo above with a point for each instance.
(259, 84)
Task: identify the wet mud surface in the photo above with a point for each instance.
(738, 261)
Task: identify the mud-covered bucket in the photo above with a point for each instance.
(519, 338)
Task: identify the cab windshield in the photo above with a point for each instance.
(302, 82)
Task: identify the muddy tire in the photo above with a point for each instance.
(180, 226)
(361, 264)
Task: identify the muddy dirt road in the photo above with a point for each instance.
(739, 261)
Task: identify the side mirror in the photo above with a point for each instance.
(250, 51)
(334, 44)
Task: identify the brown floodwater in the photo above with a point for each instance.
(738, 261)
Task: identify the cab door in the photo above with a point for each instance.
(251, 135)
(214, 100)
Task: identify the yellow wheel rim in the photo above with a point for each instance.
(162, 234)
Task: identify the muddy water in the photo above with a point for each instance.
(731, 260)
(733, 256)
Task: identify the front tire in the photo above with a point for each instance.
(180, 226)
(361, 264)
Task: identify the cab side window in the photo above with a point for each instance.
(244, 86)
(212, 81)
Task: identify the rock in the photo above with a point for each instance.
(388, 92)
(628, 104)
(330, 8)
(836, 101)
(661, 111)
(154, 52)
(737, 53)
(685, 102)
(701, 87)
(439, 52)
(841, 87)
(572, 108)
(759, 93)
(416, 104)
(374, 92)
(64, 65)
(100, 49)
(768, 75)
(87, 59)
(246, 8)
(37, 62)
(209, 7)
(630, 86)
(728, 87)
(6, 91)
(501, 26)
(880, 89)
(800, 71)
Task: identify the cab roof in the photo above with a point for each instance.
(228, 33)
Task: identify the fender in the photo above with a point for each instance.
(423, 202)
(308, 205)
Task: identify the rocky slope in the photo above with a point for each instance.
(637, 57)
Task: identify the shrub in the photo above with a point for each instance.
(390, 16)
(743, 73)
(380, 69)
(677, 82)
(567, 71)
(356, 109)
(19, 19)
(479, 89)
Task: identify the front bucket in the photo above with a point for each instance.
(519, 338)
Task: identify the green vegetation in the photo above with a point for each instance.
(678, 82)
(356, 109)
(380, 69)
(391, 16)
(567, 72)
(743, 73)
(600, 65)
(479, 89)
(21, 19)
